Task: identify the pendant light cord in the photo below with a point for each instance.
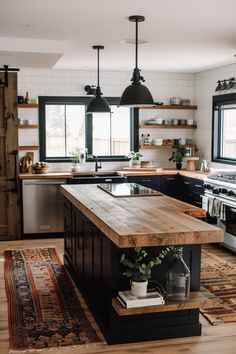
(98, 69)
(136, 44)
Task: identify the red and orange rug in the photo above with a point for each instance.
(44, 309)
(218, 282)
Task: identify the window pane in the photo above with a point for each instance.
(65, 129)
(55, 130)
(75, 128)
(101, 134)
(228, 133)
(120, 135)
(111, 132)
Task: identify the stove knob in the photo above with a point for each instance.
(223, 190)
(231, 193)
(207, 186)
(215, 190)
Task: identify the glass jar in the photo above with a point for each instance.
(178, 278)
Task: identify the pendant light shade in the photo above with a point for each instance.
(136, 94)
(98, 104)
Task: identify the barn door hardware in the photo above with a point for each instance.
(6, 70)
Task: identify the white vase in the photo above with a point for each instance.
(134, 163)
(139, 288)
(75, 168)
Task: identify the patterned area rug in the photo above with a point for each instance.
(218, 282)
(44, 310)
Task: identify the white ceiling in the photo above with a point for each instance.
(183, 35)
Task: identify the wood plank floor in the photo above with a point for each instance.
(215, 339)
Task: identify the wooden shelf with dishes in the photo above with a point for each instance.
(167, 126)
(155, 147)
(30, 148)
(171, 107)
(27, 105)
(28, 126)
(195, 301)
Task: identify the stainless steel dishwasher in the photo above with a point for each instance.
(42, 206)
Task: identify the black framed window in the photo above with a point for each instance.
(224, 129)
(65, 126)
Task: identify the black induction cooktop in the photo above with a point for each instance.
(128, 190)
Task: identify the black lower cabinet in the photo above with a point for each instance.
(191, 190)
(94, 263)
(153, 182)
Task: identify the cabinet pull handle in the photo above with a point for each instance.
(186, 182)
(199, 203)
(170, 178)
(145, 180)
(108, 179)
(198, 185)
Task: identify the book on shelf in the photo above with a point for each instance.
(128, 300)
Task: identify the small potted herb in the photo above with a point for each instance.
(138, 268)
(134, 158)
(177, 157)
(75, 157)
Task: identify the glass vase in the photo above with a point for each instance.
(178, 278)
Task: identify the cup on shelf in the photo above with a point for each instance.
(182, 121)
(190, 122)
(21, 121)
(182, 141)
(175, 121)
(26, 122)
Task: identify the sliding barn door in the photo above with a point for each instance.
(10, 226)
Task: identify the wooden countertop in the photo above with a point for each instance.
(193, 174)
(142, 221)
(45, 175)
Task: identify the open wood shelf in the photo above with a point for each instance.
(155, 147)
(170, 107)
(28, 105)
(28, 126)
(156, 126)
(34, 147)
(195, 301)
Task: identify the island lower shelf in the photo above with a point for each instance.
(196, 300)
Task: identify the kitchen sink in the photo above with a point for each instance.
(96, 174)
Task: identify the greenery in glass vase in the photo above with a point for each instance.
(134, 155)
(139, 265)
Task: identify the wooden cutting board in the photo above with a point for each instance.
(150, 169)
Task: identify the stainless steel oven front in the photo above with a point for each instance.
(229, 227)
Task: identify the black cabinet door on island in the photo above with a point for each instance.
(94, 263)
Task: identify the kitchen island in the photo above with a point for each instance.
(99, 228)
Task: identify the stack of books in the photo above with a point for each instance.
(128, 300)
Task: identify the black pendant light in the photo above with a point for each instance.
(98, 104)
(136, 94)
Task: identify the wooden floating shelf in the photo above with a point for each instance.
(28, 126)
(153, 147)
(170, 107)
(28, 105)
(157, 126)
(28, 147)
(195, 301)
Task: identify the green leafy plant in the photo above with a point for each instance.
(75, 155)
(139, 265)
(134, 155)
(178, 155)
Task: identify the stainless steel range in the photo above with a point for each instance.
(220, 197)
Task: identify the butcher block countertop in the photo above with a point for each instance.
(193, 174)
(142, 221)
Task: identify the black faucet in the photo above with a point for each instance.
(97, 166)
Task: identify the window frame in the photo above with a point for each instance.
(84, 100)
(216, 128)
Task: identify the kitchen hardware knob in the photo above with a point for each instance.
(231, 193)
(215, 191)
(223, 190)
(207, 186)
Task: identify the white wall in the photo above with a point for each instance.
(42, 82)
(204, 88)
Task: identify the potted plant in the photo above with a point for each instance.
(139, 268)
(177, 157)
(75, 157)
(134, 158)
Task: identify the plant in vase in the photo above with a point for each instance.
(134, 158)
(75, 157)
(178, 156)
(139, 268)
